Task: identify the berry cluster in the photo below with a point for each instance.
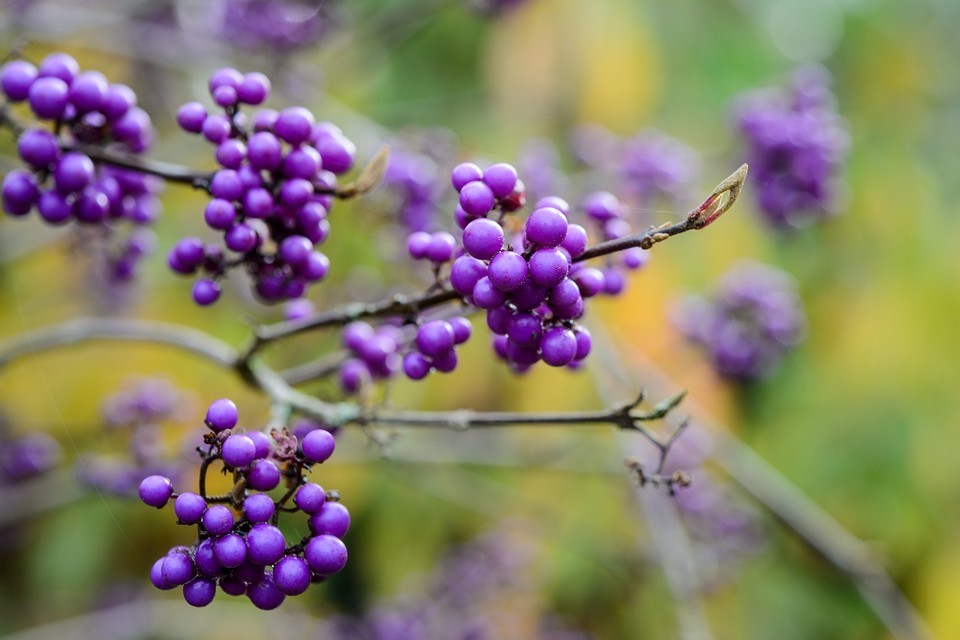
(414, 179)
(281, 26)
(375, 354)
(796, 144)
(26, 456)
(135, 418)
(606, 212)
(272, 194)
(245, 552)
(654, 165)
(751, 322)
(62, 182)
(434, 348)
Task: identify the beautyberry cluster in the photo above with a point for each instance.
(749, 324)
(26, 456)
(374, 354)
(62, 182)
(434, 347)
(796, 145)
(272, 194)
(134, 418)
(240, 548)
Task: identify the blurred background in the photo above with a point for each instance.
(860, 415)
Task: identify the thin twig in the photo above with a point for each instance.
(793, 508)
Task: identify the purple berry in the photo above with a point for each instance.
(15, 79)
(19, 192)
(48, 97)
(575, 242)
(254, 88)
(326, 554)
(486, 295)
(191, 117)
(217, 520)
(265, 544)
(155, 490)
(73, 172)
(216, 128)
(558, 347)
(222, 414)
(294, 125)
(418, 243)
(88, 90)
(241, 238)
(199, 592)
(189, 507)
(230, 550)
(548, 267)
(337, 153)
(258, 507)
(465, 273)
(264, 151)
(206, 292)
(483, 238)
(263, 475)
(583, 343)
(292, 575)
(435, 337)
(601, 206)
(333, 518)
(525, 329)
(507, 271)
(238, 450)
(156, 576)
(265, 595)
(416, 366)
(465, 173)
(59, 65)
(310, 498)
(442, 247)
(546, 227)
(38, 148)
(501, 178)
(177, 568)
(461, 329)
(477, 198)
(318, 445)
(220, 214)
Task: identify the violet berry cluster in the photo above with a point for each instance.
(240, 548)
(796, 146)
(62, 182)
(753, 319)
(24, 456)
(134, 418)
(271, 196)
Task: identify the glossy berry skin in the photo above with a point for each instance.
(265, 544)
(477, 198)
(199, 592)
(155, 491)
(156, 576)
(258, 507)
(177, 569)
(310, 498)
(263, 475)
(222, 414)
(230, 550)
(416, 366)
(548, 267)
(238, 450)
(546, 227)
(16, 77)
(558, 347)
(483, 238)
(206, 292)
(435, 337)
(189, 507)
(326, 554)
(292, 575)
(265, 595)
(507, 271)
(465, 173)
(217, 520)
(48, 97)
(333, 518)
(501, 178)
(318, 445)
